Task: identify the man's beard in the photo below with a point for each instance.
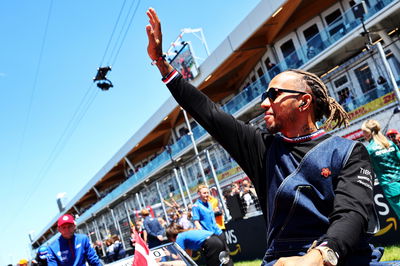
(277, 126)
(274, 128)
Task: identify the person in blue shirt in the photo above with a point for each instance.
(203, 215)
(190, 240)
(153, 228)
(41, 256)
(71, 249)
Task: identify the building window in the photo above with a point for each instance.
(290, 55)
(340, 81)
(314, 41)
(364, 77)
(272, 68)
(183, 131)
(344, 94)
(335, 24)
(260, 74)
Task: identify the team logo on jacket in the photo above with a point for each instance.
(325, 172)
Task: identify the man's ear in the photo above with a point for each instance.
(305, 100)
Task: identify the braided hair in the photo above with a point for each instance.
(324, 104)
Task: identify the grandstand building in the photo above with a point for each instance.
(171, 154)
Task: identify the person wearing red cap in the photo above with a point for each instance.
(394, 136)
(71, 249)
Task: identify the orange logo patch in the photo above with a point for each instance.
(326, 172)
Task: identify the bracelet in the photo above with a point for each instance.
(168, 75)
(160, 58)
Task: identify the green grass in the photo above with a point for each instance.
(391, 253)
(249, 263)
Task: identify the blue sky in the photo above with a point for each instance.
(45, 74)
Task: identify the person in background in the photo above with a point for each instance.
(249, 198)
(23, 262)
(153, 228)
(97, 247)
(385, 157)
(219, 215)
(235, 189)
(185, 219)
(41, 256)
(208, 243)
(162, 221)
(119, 251)
(139, 227)
(173, 216)
(203, 214)
(394, 136)
(109, 250)
(233, 201)
(71, 249)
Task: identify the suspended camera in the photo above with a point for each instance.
(101, 78)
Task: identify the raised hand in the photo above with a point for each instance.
(154, 34)
(154, 48)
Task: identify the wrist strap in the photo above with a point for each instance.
(170, 76)
(160, 58)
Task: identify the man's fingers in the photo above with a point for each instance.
(153, 19)
(150, 32)
(155, 16)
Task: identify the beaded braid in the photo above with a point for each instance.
(324, 104)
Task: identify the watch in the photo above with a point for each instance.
(329, 256)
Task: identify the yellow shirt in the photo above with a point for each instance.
(219, 219)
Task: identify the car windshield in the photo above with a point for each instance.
(171, 254)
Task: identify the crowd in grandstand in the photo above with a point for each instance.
(153, 228)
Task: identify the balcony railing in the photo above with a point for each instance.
(315, 46)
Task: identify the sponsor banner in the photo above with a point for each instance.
(372, 106)
(246, 239)
(231, 172)
(389, 233)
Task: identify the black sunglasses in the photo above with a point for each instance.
(272, 93)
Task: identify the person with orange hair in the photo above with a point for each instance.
(385, 157)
